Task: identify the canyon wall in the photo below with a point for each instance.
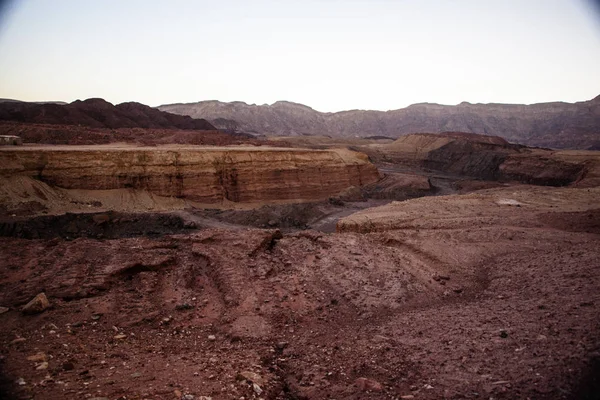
(200, 174)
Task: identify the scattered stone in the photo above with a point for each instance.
(4, 310)
(365, 384)
(42, 365)
(120, 336)
(204, 398)
(21, 382)
(96, 317)
(77, 324)
(178, 393)
(407, 396)
(212, 338)
(281, 345)
(68, 366)
(184, 306)
(98, 398)
(188, 397)
(37, 305)
(136, 375)
(38, 357)
(503, 334)
(428, 386)
(257, 389)
(252, 377)
(18, 340)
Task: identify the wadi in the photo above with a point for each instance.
(274, 252)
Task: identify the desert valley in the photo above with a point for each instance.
(149, 255)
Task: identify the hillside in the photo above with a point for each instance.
(556, 125)
(98, 113)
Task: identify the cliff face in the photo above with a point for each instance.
(205, 175)
(558, 125)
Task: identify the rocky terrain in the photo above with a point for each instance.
(555, 125)
(489, 295)
(456, 266)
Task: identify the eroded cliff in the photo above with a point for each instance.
(200, 174)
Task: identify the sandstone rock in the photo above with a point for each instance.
(43, 365)
(207, 175)
(252, 377)
(365, 384)
(38, 357)
(37, 305)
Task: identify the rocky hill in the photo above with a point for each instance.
(556, 125)
(98, 113)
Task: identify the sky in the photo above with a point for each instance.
(331, 55)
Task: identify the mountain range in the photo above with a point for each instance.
(555, 125)
(97, 113)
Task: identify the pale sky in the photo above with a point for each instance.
(331, 55)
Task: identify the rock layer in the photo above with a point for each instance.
(201, 174)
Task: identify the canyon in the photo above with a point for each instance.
(194, 264)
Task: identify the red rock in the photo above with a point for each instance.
(366, 384)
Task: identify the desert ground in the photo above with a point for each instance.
(456, 267)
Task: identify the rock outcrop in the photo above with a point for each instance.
(557, 125)
(200, 174)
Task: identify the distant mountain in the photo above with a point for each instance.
(556, 125)
(98, 113)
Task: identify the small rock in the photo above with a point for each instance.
(178, 393)
(21, 382)
(257, 389)
(38, 357)
(252, 377)
(37, 305)
(365, 384)
(272, 222)
(135, 375)
(42, 365)
(428, 386)
(98, 398)
(188, 397)
(204, 398)
(120, 336)
(96, 317)
(212, 338)
(503, 334)
(18, 340)
(68, 366)
(4, 309)
(407, 396)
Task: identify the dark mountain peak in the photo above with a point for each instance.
(99, 113)
(93, 102)
(290, 104)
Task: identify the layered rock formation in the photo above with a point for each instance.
(557, 125)
(200, 174)
(484, 157)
